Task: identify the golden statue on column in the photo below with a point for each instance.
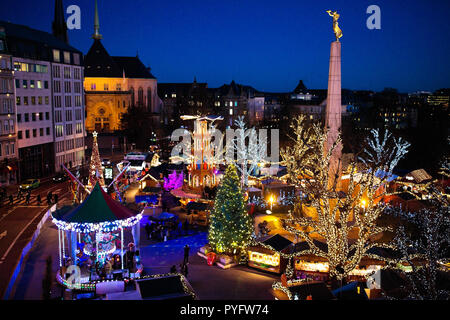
(336, 29)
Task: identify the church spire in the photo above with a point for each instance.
(59, 27)
(96, 35)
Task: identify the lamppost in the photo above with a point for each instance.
(271, 201)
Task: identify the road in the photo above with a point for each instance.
(18, 223)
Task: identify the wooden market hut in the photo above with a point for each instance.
(263, 258)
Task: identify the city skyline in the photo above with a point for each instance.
(272, 56)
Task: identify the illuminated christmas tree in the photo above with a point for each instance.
(95, 166)
(231, 226)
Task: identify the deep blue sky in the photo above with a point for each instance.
(269, 45)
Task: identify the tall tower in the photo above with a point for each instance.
(59, 26)
(333, 109)
(96, 35)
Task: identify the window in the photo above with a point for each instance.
(39, 84)
(18, 101)
(77, 101)
(41, 132)
(33, 100)
(47, 116)
(66, 73)
(118, 87)
(93, 87)
(33, 116)
(77, 73)
(76, 59)
(34, 133)
(68, 101)
(149, 98)
(68, 115)
(140, 97)
(47, 100)
(77, 87)
(59, 130)
(41, 116)
(19, 117)
(47, 131)
(45, 84)
(25, 101)
(11, 125)
(27, 119)
(19, 135)
(17, 83)
(39, 100)
(31, 84)
(77, 114)
(69, 129)
(79, 127)
(24, 84)
(56, 71)
(56, 86)
(58, 116)
(27, 134)
(67, 86)
(57, 101)
(56, 56)
(66, 57)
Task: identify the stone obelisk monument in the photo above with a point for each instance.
(333, 108)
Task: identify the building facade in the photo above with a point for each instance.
(8, 125)
(48, 76)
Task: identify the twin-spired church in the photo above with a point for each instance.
(113, 84)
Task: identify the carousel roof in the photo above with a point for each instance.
(98, 207)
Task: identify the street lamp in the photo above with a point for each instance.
(271, 201)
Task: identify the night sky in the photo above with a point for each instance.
(269, 45)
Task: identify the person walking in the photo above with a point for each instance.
(49, 198)
(148, 230)
(27, 198)
(11, 199)
(186, 254)
(38, 199)
(55, 197)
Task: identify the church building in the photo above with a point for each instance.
(113, 84)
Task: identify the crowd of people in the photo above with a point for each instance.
(26, 196)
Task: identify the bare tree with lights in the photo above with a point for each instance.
(345, 219)
(250, 151)
(424, 247)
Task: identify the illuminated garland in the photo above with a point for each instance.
(91, 286)
(311, 155)
(108, 226)
(231, 226)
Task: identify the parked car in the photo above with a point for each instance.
(30, 184)
(106, 162)
(60, 177)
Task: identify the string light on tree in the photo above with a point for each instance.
(231, 226)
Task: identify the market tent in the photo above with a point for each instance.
(199, 206)
(163, 216)
(179, 193)
(277, 242)
(98, 207)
